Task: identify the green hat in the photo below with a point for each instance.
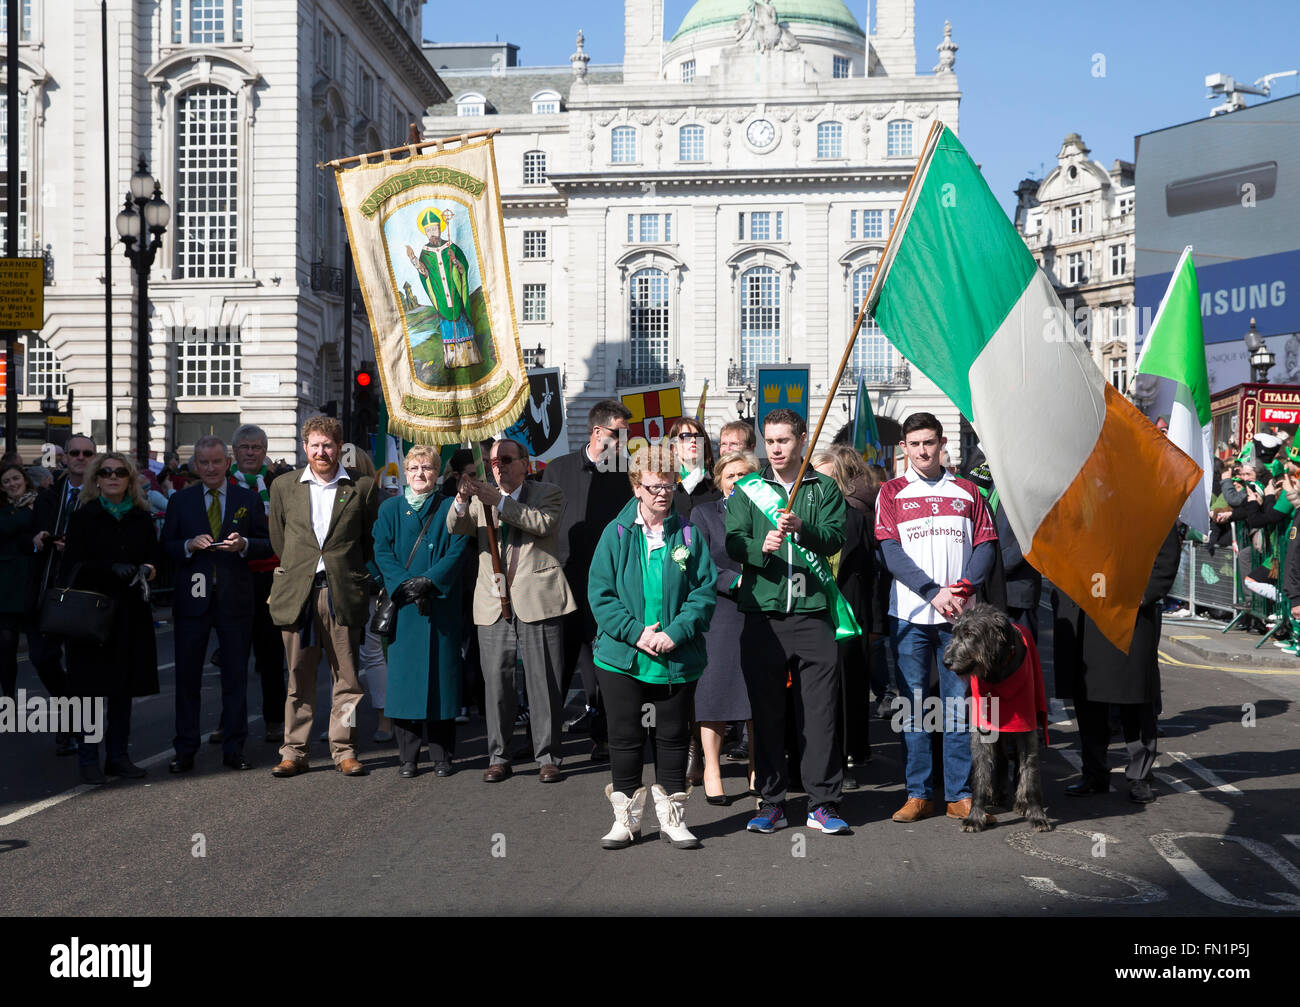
(1244, 454)
(1275, 467)
(1293, 454)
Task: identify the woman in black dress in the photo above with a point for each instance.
(17, 526)
(112, 549)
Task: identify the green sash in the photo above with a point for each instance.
(766, 499)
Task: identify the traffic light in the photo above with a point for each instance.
(365, 401)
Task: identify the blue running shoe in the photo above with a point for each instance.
(826, 818)
(770, 817)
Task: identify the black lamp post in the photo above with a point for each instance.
(144, 210)
(745, 404)
(1261, 357)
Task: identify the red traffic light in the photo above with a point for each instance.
(364, 379)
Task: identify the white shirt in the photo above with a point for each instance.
(654, 537)
(322, 505)
(221, 506)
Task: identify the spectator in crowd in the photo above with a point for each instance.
(42, 478)
(596, 489)
(720, 693)
(460, 464)
(693, 452)
(17, 522)
(652, 590)
(320, 525)
(519, 608)
(112, 549)
(1012, 586)
(736, 436)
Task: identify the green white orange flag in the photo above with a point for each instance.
(1172, 382)
(866, 437)
(1090, 487)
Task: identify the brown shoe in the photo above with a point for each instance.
(962, 810)
(290, 767)
(914, 810)
(497, 772)
(351, 767)
(549, 773)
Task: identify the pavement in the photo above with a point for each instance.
(1222, 839)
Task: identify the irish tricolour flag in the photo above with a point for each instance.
(1172, 382)
(1089, 485)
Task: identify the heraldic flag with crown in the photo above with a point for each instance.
(429, 248)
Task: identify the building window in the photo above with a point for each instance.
(898, 139)
(326, 51)
(534, 302)
(535, 167)
(206, 369)
(534, 244)
(367, 96)
(546, 103)
(649, 227)
(1119, 374)
(830, 139)
(471, 104)
(1125, 205)
(22, 163)
(207, 161)
(1119, 322)
(1118, 260)
(24, 21)
(871, 357)
(760, 318)
(648, 325)
(322, 194)
(762, 225)
(1076, 271)
(204, 22)
(866, 224)
(688, 71)
(43, 372)
(1076, 218)
(691, 143)
(622, 145)
(843, 66)
(646, 227)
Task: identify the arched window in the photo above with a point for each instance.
(546, 103)
(898, 139)
(622, 145)
(760, 318)
(471, 103)
(535, 167)
(871, 357)
(830, 139)
(691, 143)
(648, 326)
(207, 155)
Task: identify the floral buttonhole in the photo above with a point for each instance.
(680, 555)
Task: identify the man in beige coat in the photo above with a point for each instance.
(320, 524)
(526, 515)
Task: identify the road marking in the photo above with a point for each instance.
(1217, 667)
(1166, 844)
(1188, 636)
(1144, 891)
(1076, 760)
(1208, 775)
(1056, 713)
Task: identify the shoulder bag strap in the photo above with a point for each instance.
(433, 510)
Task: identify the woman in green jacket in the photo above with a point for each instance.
(652, 593)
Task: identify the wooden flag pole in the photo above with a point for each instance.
(415, 146)
(853, 337)
(503, 589)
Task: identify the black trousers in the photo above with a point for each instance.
(855, 697)
(1138, 721)
(190, 639)
(803, 645)
(268, 650)
(117, 733)
(441, 734)
(629, 703)
(46, 653)
(578, 658)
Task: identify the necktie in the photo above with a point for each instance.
(214, 515)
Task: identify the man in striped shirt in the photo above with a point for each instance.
(938, 542)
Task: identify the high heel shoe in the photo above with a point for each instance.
(718, 801)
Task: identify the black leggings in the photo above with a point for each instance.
(625, 701)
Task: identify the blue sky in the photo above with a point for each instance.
(1026, 70)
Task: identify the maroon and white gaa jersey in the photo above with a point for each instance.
(938, 527)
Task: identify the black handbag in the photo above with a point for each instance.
(383, 623)
(79, 616)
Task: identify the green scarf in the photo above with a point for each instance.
(255, 482)
(118, 510)
(415, 499)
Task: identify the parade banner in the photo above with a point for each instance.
(654, 408)
(780, 386)
(541, 427)
(430, 253)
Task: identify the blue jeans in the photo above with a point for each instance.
(917, 644)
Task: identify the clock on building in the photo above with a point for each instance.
(761, 135)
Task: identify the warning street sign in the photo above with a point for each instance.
(22, 293)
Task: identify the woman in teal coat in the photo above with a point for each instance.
(652, 593)
(424, 657)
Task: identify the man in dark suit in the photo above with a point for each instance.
(213, 528)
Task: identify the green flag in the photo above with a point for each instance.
(866, 438)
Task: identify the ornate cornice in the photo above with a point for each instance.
(402, 51)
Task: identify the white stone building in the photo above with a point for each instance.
(232, 103)
(718, 201)
(1078, 222)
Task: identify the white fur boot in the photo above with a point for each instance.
(671, 812)
(627, 818)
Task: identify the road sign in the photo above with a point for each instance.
(22, 293)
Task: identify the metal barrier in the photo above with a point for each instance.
(1215, 579)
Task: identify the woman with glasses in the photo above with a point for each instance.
(17, 525)
(112, 549)
(421, 564)
(651, 588)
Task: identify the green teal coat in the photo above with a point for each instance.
(17, 526)
(616, 592)
(424, 657)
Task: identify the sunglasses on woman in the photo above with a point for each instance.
(113, 473)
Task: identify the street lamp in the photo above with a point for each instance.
(1261, 357)
(745, 404)
(144, 211)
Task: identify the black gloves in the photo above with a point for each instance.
(411, 590)
(126, 571)
(373, 585)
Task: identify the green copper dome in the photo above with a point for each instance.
(710, 13)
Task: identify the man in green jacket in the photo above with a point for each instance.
(787, 594)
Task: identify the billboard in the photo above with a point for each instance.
(1229, 186)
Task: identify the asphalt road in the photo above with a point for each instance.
(1222, 839)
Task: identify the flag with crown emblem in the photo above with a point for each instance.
(780, 386)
